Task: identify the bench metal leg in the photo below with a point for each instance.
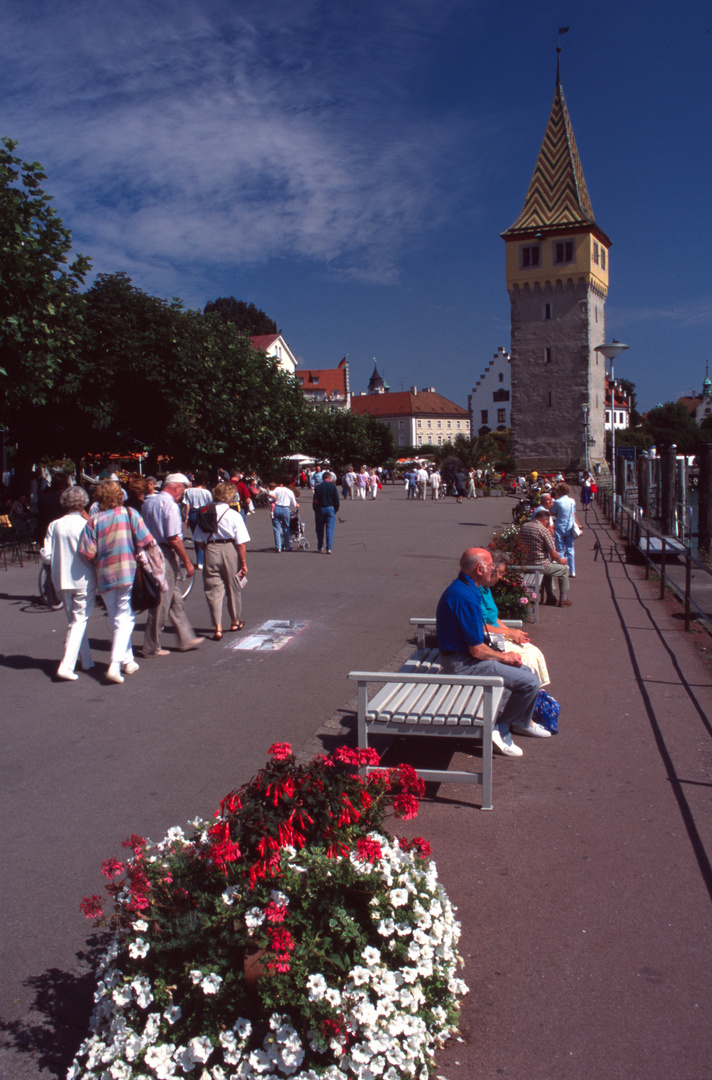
(361, 729)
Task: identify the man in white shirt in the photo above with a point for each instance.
(164, 522)
(283, 502)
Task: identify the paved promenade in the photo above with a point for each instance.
(584, 896)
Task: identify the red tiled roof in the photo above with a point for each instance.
(263, 341)
(690, 403)
(330, 380)
(622, 401)
(405, 403)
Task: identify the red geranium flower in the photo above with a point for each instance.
(369, 850)
(280, 751)
(112, 868)
(92, 906)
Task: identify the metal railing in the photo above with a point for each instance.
(634, 530)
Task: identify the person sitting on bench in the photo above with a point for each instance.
(515, 640)
(464, 650)
(541, 552)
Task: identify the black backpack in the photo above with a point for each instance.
(208, 518)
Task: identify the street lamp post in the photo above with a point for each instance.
(585, 437)
(611, 351)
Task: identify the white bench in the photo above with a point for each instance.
(419, 700)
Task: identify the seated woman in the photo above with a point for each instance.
(517, 640)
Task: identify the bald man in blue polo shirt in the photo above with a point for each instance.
(463, 643)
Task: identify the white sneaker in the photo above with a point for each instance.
(66, 673)
(131, 668)
(535, 731)
(505, 745)
(114, 674)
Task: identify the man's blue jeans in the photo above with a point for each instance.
(325, 518)
(280, 524)
(521, 681)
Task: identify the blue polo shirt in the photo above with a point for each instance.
(459, 620)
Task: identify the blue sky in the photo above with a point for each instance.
(349, 165)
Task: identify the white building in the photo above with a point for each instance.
(490, 402)
(275, 345)
(416, 417)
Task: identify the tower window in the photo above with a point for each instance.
(529, 256)
(484, 416)
(595, 253)
(547, 356)
(563, 252)
(547, 311)
(603, 258)
(501, 376)
(501, 416)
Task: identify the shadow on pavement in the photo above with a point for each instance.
(61, 1010)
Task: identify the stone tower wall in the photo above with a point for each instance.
(549, 388)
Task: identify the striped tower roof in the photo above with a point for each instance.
(557, 195)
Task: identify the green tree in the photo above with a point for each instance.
(671, 423)
(40, 303)
(177, 383)
(344, 438)
(249, 319)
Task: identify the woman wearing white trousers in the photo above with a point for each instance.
(73, 578)
(109, 540)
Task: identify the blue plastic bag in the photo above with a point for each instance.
(546, 712)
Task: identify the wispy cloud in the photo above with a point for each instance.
(182, 135)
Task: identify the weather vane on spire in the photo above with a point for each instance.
(562, 30)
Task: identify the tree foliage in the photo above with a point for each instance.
(40, 304)
(152, 375)
(249, 319)
(671, 423)
(345, 438)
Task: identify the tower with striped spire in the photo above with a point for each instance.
(557, 265)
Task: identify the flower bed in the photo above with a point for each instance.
(512, 596)
(290, 936)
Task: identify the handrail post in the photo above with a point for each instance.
(688, 583)
(662, 570)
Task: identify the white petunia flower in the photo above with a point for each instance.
(360, 975)
(386, 927)
(172, 1014)
(122, 995)
(138, 948)
(195, 1053)
(142, 989)
(333, 996)
(139, 926)
(398, 897)
(316, 986)
(211, 983)
(228, 897)
(279, 898)
(371, 956)
(160, 1059)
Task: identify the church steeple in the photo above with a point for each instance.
(376, 384)
(557, 267)
(557, 195)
